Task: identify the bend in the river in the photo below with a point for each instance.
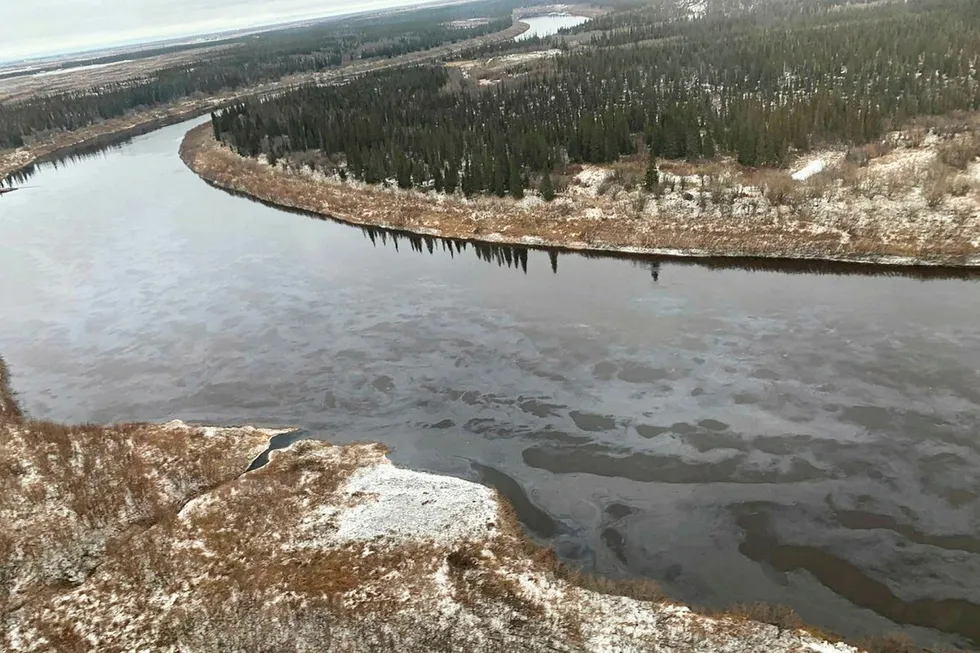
(738, 434)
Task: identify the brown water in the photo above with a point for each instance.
(809, 439)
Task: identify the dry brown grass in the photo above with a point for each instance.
(956, 122)
(777, 186)
(960, 152)
(781, 616)
(938, 183)
(729, 227)
(627, 175)
(69, 493)
(865, 154)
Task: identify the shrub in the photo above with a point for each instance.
(938, 183)
(959, 153)
(781, 616)
(777, 187)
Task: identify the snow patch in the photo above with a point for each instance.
(812, 168)
(402, 504)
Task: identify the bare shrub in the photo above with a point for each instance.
(777, 187)
(561, 183)
(608, 184)
(858, 156)
(781, 616)
(916, 137)
(639, 204)
(717, 190)
(848, 173)
(817, 186)
(959, 153)
(960, 187)
(627, 176)
(938, 184)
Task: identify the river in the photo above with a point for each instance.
(739, 435)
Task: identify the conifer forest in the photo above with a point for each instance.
(782, 77)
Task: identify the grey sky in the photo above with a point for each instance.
(39, 27)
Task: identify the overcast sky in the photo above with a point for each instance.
(30, 28)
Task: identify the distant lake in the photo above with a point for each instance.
(548, 25)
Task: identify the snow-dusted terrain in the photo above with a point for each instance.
(154, 538)
(903, 206)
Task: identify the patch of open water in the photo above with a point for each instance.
(548, 24)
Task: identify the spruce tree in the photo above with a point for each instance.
(651, 181)
(515, 183)
(451, 181)
(547, 188)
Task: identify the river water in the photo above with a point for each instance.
(808, 439)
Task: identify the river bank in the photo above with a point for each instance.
(61, 144)
(151, 537)
(695, 213)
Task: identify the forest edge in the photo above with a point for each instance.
(587, 218)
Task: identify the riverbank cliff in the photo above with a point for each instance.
(165, 538)
(879, 215)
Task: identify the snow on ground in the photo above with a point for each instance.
(403, 504)
(522, 57)
(79, 69)
(810, 169)
(589, 180)
(333, 548)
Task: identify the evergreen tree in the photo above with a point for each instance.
(452, 177)
(651, 180)
(547, 188)
(515, 183)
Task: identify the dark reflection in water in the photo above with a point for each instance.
(517, 256)
(861, 520)
(98, 148)
(534, 518)
(628, 407)
(511, 256)
(847, 580)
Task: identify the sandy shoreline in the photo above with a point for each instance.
(586, 221)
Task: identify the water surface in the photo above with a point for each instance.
(738, 435)
(548, 24)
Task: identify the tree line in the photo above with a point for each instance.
(254, 60)
(729, 85)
